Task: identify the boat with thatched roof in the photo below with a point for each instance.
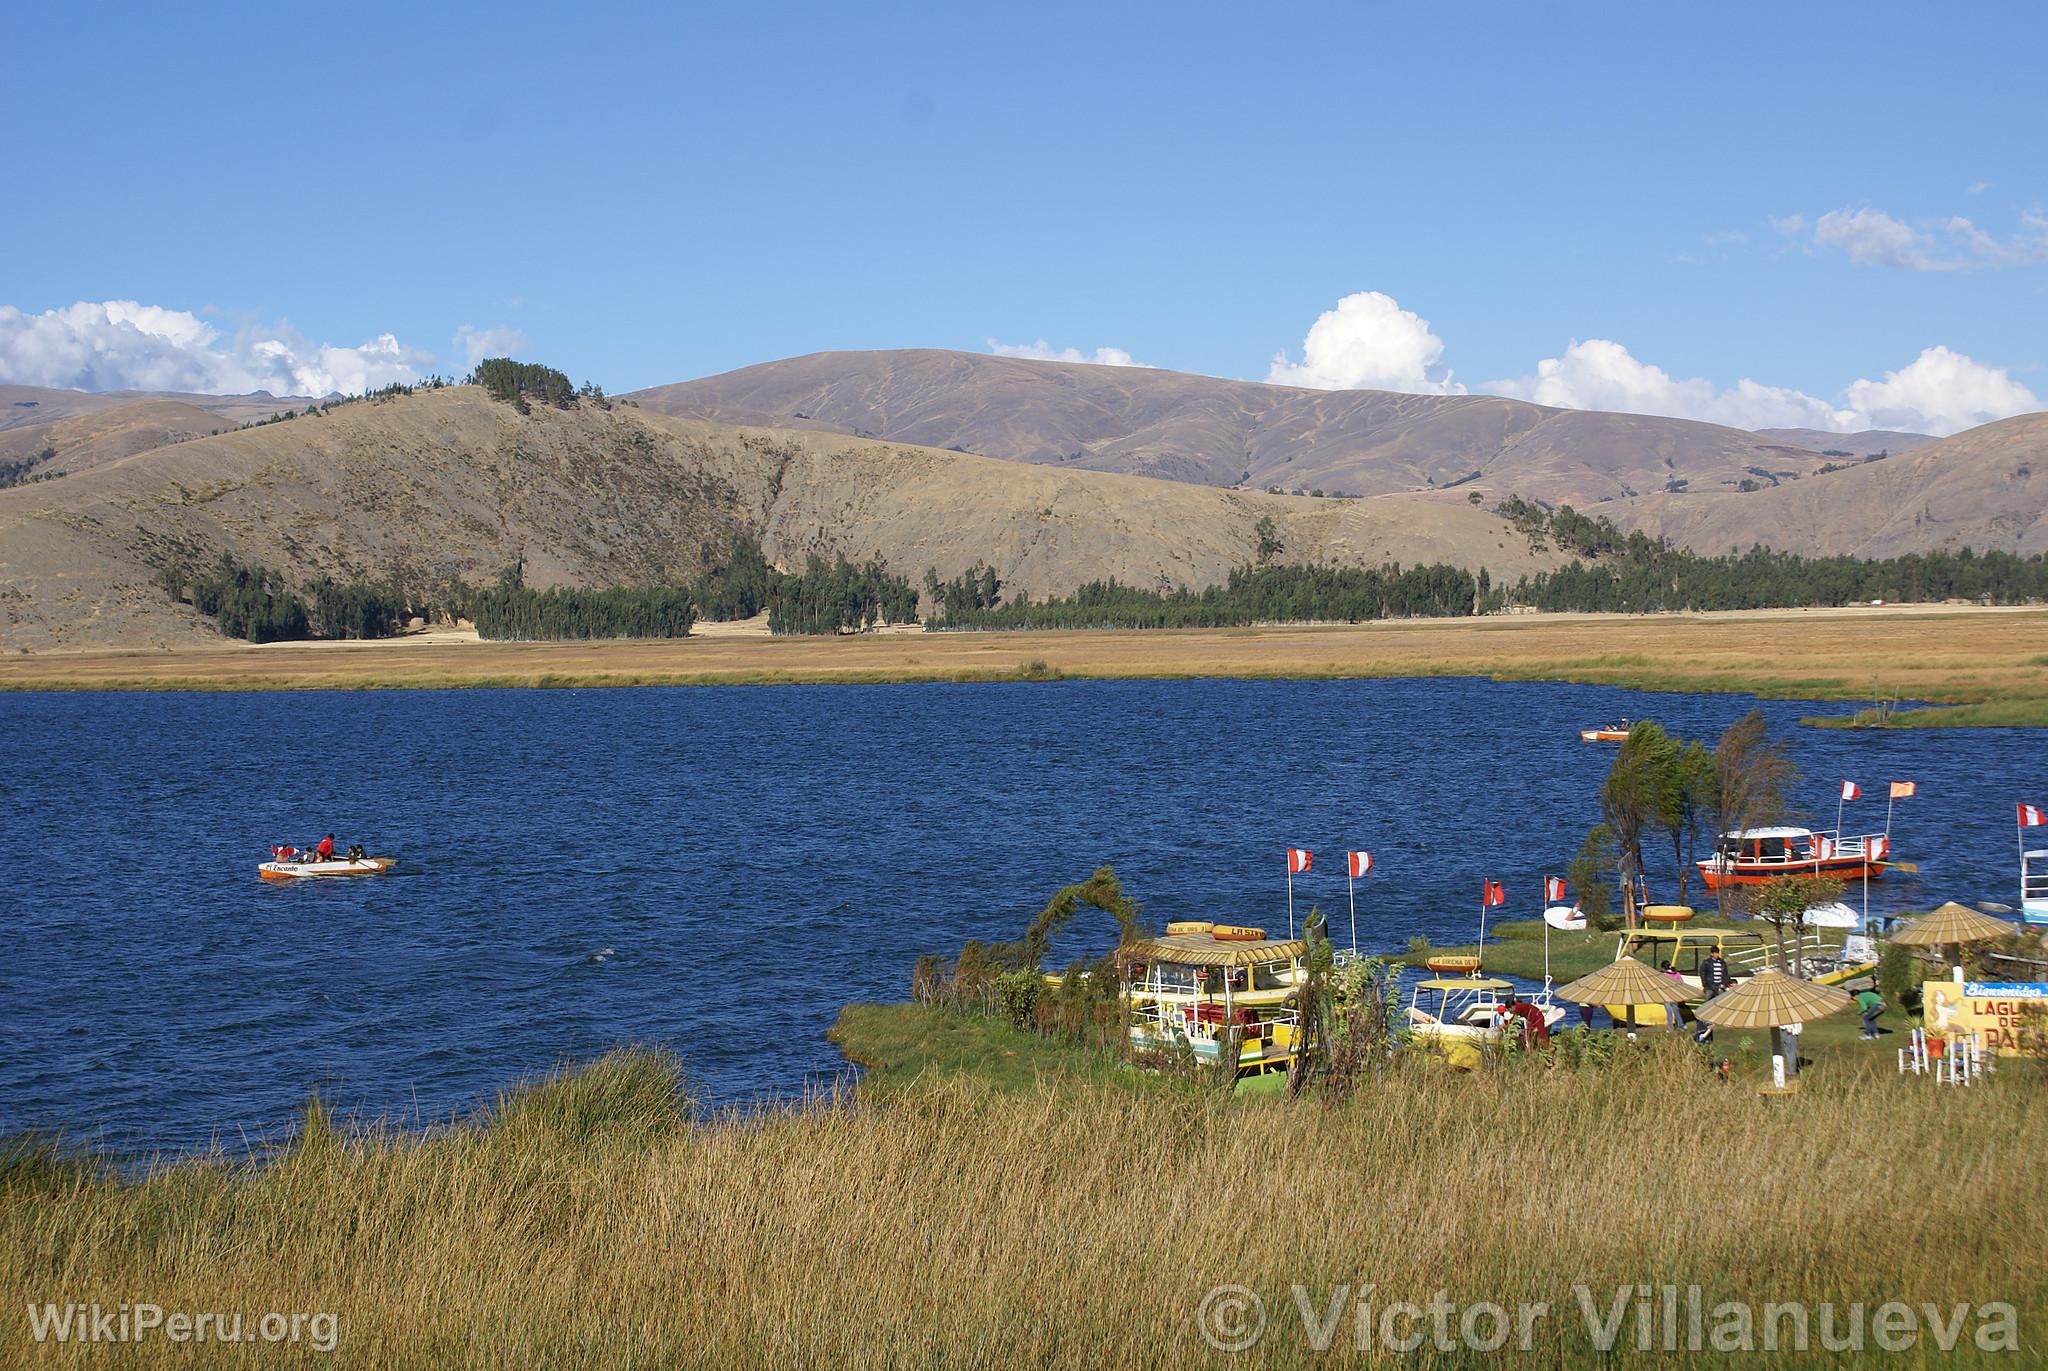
(1203, 988)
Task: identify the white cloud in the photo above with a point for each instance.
(1873, 238)
(1977, 187)
(1368, 342)
(1601, 374)
(125, 345)
(1870, 237)
(1940, 392)
(479, 343)
(1042, 351)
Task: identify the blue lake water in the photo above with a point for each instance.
(721, 869)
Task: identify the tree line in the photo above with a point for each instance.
(260, 605)
(1250, 595)
(1634, 573)
(825, 597)
(517, 382)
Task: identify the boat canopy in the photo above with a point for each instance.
(1205, 949)
(1775, 831)
(1465, 983)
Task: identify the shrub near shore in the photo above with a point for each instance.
(589, 1221)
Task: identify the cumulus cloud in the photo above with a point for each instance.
(1870, 237)
(125, 345)
(1940, 392)
(479, 343)
(1042, 351)
(1368, 342)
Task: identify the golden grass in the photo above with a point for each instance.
(1987, 660)
(588, 1223)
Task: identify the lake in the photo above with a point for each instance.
(720, 869)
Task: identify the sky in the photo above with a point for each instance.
(1820, 215)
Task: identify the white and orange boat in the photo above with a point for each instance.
(1756, 855)
(1613, 733)
(290, 864)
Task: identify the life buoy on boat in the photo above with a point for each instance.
(1666, 913)
(1451, 963)
(1188, 926)
(1231, 933)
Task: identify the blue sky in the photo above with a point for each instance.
(642, 195)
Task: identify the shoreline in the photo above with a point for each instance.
(1986, 666)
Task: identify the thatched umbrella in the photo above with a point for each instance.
(1628, 982)
(1952, 925)
(1771, 999)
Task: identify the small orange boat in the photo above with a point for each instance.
(1614, 733)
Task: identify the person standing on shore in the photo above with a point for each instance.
(1714, 974)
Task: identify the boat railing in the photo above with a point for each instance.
(2034, 877)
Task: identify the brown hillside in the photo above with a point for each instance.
(452, 485)
(1227, 433)
(1986, 488)
(107, 435)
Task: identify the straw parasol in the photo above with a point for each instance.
(1628, 982)
(1771, 999)
(1952, 924)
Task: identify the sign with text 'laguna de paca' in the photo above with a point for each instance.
(2007, 1013)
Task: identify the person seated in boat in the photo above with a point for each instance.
(324, 851)
(355, 852)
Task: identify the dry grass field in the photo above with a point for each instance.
(1993, 662)
(1071, 1223)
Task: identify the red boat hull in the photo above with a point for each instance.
(1720, 876)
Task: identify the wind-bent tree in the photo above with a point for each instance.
(1638, 796)
(1752, 777)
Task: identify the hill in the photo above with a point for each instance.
(1985, 488)
(102, 435)
(1201, 429)
(451, 485)
(1869, 443)
(27, 406)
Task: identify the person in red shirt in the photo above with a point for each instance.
(1534, 1032)
(325, 851)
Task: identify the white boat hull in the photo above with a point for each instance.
(290, 871)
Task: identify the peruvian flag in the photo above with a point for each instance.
(1493, 894)
(2031, 816)
(1902, 790)
(1361, 862)
(1299, 859)
(1851, 791)
(1553, 889)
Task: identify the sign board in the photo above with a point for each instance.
(1999, 1010)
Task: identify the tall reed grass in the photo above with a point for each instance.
(588, 1221)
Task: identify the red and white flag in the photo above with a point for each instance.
(1902, 790)
(1299, 859)
(2031, 816)
(1493, 894)
(1851, 791)
(1553, 890)
(1361, 862)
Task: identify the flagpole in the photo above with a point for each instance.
(1290, 896)
(1351, 886)
(1841, 798)
(1891, 798)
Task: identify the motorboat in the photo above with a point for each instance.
(290, 864)
(1459, 1016)
(1834, 914)
(1612, 733)
(1752, 856)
